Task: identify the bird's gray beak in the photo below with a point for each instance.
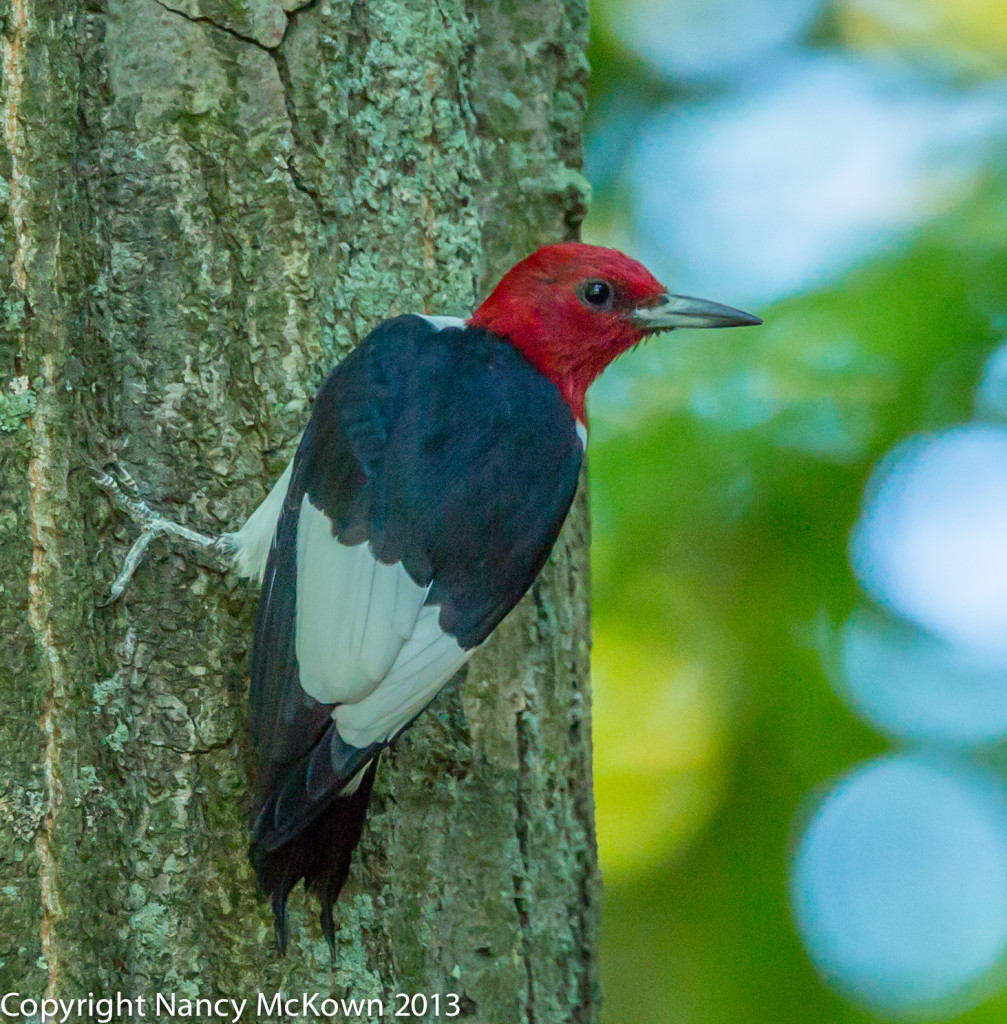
(683, 311)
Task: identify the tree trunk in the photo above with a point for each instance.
(203, 205)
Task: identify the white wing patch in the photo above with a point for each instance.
(354, 614)
(364, 639)
(427, 660)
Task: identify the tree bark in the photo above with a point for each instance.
(203, 205)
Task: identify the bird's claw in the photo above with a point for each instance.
(125, 495)
(122, 478)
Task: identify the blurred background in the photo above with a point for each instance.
(800, 530)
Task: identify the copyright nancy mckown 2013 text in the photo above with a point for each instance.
(103, 1009)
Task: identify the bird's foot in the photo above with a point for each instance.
(121, 488)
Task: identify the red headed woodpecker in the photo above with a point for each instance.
(436, 470)
(431, 482)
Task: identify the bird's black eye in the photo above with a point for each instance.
(596, 294)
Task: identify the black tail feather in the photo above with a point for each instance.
(328, 882)
(328, 927)
(319, 849)
(279, 902)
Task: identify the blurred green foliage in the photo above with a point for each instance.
(726, 473)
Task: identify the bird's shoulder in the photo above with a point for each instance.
(434, 358)
(435, 402)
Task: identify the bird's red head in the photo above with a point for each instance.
(573, 308)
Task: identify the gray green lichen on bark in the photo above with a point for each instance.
(209, 201)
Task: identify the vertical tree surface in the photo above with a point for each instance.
(203, 205)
